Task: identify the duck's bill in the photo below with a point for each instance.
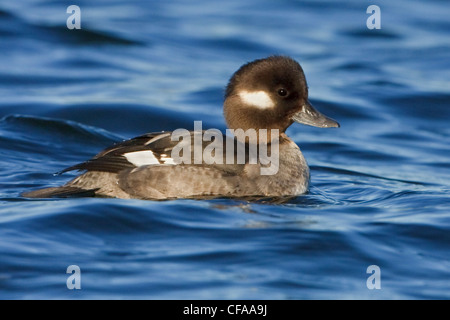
(311, 117)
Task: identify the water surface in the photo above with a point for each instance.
(380, 190)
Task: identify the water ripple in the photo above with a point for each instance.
(380, 189)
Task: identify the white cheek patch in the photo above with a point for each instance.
(259, 99)
(141, 158)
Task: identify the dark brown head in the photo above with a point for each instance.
(270, 93)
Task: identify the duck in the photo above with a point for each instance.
(255, 158)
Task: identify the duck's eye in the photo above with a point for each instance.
(282, 92)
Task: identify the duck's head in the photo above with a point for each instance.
(268, 94)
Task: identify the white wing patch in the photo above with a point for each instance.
(141, 158)
(167, 160)
(258, 99)
(146, 158)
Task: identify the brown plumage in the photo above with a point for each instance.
(268, 93)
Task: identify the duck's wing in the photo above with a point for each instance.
(155, 149)
(147, 167)
(150, 148)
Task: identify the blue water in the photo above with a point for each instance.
(380, 188)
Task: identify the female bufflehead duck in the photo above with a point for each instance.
(265, 96)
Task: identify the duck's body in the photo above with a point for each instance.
(268, 94)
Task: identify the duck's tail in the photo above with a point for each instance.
(60, 192)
